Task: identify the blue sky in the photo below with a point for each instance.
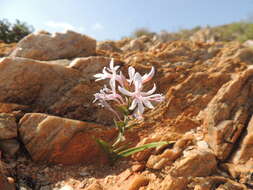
(112, 19)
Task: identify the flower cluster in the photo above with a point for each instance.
(126, 92)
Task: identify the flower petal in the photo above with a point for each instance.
(149, 92)
(148, 104)
(124, 91)
(133, 105)
(137, 82)
(156, 97)
(112, 64)
(131, 72)
(149, 76)
(140, 107)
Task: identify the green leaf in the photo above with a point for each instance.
(121, 148)
(130, 151)
(105, 146)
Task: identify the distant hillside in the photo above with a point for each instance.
(237, 31)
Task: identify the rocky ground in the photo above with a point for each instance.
(48, 120)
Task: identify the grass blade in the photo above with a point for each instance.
(130, 151)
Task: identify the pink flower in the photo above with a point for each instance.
(141, 99)
(105, 95)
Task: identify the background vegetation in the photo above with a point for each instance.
(239, 31)
(10, 33)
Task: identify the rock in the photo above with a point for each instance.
(248, 43)
(63, 62)
(12, 108)
(169, 155)
(8, 126)
(95, 186)
(9, 146)
(226, 115)
(66, 187)
(134, 45)
(4, 184)
(91, 65)
(189, 99)
(29, 82)
(5, 49)
(62, 141)
(44, 47)
(137, 182)
(174, 183)
(108, 46)
(241, 172)
(217, 182)
(245, 150)
(195, 163)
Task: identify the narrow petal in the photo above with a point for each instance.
(156, 97)
(124, 91)
(137, 82)
(149, 76)
(133, 105)
(98, 75)
(113, 85)
(140, 107)
(131, 72)
(112, 64)
(149, 92)
(148, 104)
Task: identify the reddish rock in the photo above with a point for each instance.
(44, 46)
(217, 182)
(245, 151)
(8, 126)
(58, 140)
(137, 182)
(108, 46)
(91, 65)
(4, 184)
(174, 183)
(194, 163)
(10, 147)
(134, 45)
(169, 155)
(226, 115)
(29, 82)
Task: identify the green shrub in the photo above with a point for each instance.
(10, 33)
(142, 31)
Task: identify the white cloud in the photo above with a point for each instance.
(97, 26)
(59, 25)
(63, 26)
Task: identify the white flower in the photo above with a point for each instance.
(141, 99)
(118, 82)
(110, 73)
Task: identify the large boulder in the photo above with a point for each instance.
(59, 140)
(227, 114)
(53, 88)
(245, 151)
(44, 46)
